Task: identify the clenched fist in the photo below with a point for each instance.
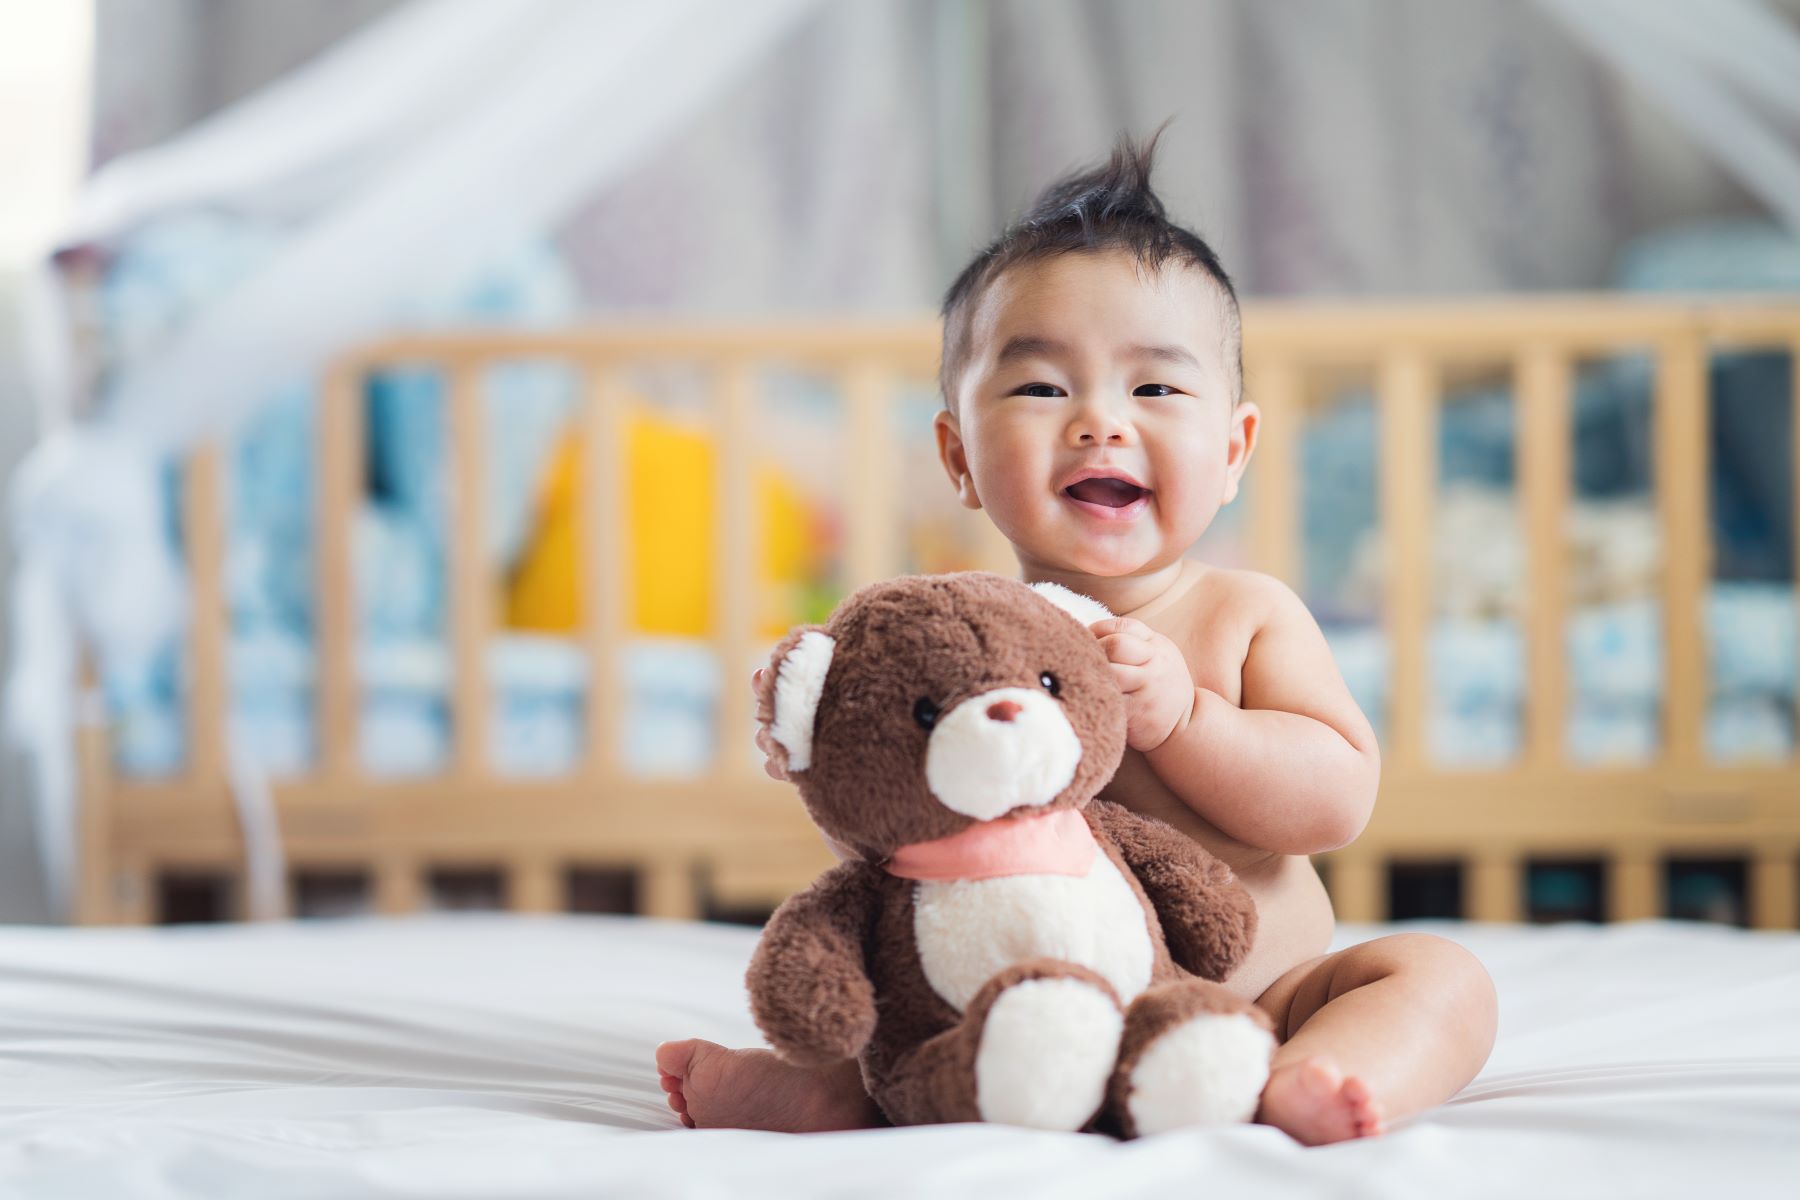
(1159, 689)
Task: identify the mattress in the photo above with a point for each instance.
(511, 1056)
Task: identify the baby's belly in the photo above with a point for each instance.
(1293, 922)
(969, 930)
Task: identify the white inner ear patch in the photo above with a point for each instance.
(799, 681)
(1085, 609)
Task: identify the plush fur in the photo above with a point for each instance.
(1011, 696)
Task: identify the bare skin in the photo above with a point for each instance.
(1241, 732)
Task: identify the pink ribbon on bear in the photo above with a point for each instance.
(1056, 843)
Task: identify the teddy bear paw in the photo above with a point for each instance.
(1208, 1070)
(1047, 1049)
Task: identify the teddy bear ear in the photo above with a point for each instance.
(1085, 609)
(789, 701)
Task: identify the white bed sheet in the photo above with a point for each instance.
(510, 1056)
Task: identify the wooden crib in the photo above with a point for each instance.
(733, 840)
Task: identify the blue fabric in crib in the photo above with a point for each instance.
(1477, 681)
(670, 691)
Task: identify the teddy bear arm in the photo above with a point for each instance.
(1208, 918)
(810, 992)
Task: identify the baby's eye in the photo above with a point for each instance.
(1038, 389)
(1153, 389)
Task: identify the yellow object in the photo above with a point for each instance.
(671, 498)
(669, 492)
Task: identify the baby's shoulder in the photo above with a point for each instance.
(1242, 598)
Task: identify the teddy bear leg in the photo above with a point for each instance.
(1035, 1047)
(1192, 1054)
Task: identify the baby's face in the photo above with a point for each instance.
(1093, 419)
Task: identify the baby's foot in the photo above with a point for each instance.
(713, 1087)
(1314, 1103)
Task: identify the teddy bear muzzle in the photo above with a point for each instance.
(1000, 750)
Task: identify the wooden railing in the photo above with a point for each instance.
(750, 838)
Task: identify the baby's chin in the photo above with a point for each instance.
(1102, 558)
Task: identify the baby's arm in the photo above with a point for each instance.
(1294, 769)
(809, 987)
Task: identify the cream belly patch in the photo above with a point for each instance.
(967, 930)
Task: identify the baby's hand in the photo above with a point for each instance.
(1149, 668)
(765, 741)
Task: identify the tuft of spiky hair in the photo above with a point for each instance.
(1110, 206)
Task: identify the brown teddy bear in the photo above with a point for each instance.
(1006, 947)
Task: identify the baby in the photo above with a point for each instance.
(1092, 377)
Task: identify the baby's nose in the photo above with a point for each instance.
(1003, 710)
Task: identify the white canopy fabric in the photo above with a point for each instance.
(450, 130)
(1728, 72)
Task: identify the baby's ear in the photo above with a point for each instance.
(1085, 609)
(787, 696)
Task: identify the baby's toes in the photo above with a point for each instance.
(1365, 1111)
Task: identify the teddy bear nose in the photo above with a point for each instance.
(1003, 710)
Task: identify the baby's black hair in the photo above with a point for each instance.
(1106, 207)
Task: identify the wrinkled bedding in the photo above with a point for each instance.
(510, 1056)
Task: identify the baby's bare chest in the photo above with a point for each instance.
(1214, 640)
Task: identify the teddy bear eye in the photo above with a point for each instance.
(925, 712)
(1051, 683)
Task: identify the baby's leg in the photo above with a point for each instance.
(1375, 1033)
(713, 1087)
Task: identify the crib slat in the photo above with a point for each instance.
(533, 885)
(669, 887)
(399, 885)
(873, 550)
(1542, 418)
(471, 585)
(1633, 888)
(607, 584)
(340, 451)
(734, 608)
(1681, 466)
(1356, 885)
(992, 552)
(1408, 472)
(1275, 486)
(1794, 473)
(1496, 886)
(203, 515)
(1775, 887)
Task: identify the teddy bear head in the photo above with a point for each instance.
(929, 703)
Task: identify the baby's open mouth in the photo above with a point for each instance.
(1106, 491)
